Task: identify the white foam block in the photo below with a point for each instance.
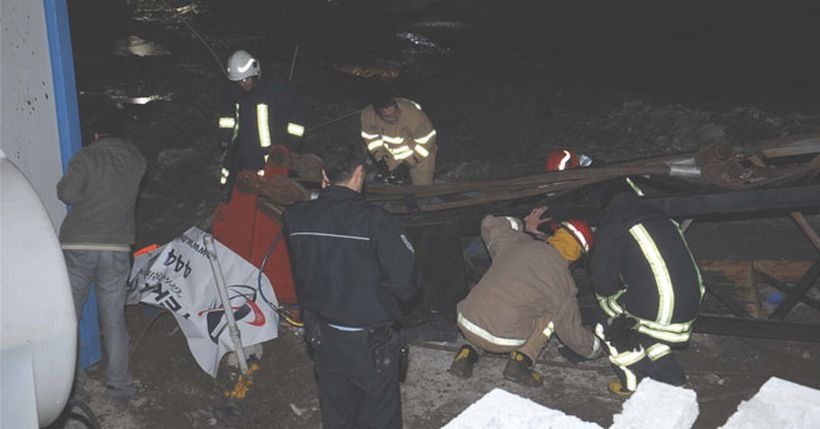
(655, 405)
(779, 404)
(500, 409)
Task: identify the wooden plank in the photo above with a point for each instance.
(746, 277)
(785, 271)
(807, 229)
(741, 273)
(804, 147)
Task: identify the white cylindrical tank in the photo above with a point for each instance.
(38, 338)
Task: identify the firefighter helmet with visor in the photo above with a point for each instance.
(581, 231)
(241, 65)
(565, 159)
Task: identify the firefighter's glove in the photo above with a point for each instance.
(621, 332)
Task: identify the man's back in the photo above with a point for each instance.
(351, 261)
(352, 264)
(101, 185)
(527, 279)
(641, 249)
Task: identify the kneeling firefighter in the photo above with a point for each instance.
(649, 289)
(526, 297)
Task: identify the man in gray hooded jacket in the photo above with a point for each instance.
(101, 186)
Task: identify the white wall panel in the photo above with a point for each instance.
(28, 123)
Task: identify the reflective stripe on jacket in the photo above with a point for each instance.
(642, 266)
(412, 136)
(271, 113)
(352, 262)
(527, 280)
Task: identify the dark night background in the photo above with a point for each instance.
(502, 80)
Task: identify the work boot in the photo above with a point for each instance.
(121, 394)
(462, 365)
(519, 370)
(619, 389)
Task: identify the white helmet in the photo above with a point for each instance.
(242, 64)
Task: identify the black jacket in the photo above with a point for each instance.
(641, 250)
(352, 262)
(284, 105)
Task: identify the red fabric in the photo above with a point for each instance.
(246, 230)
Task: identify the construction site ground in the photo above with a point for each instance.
(175, 393)
(502, 86)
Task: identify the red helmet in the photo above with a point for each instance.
(581, 231)
(564, 159)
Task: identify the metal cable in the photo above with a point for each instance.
(199, 36)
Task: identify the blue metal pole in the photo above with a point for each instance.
(68, 127)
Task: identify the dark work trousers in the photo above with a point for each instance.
(664, 368)
(351, 393)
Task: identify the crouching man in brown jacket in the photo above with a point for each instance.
(526, 296)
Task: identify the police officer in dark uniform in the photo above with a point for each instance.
(649, 287)
(352, 265)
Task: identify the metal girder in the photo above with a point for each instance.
(748, 201)
(793, 296)
(777, 284)
(740, 201)
(757, 328)
(761, 200)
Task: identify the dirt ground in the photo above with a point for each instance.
(502, 86)
(175, 393)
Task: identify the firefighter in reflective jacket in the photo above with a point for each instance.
(649, 287)
(398, 132)
(253, 115)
